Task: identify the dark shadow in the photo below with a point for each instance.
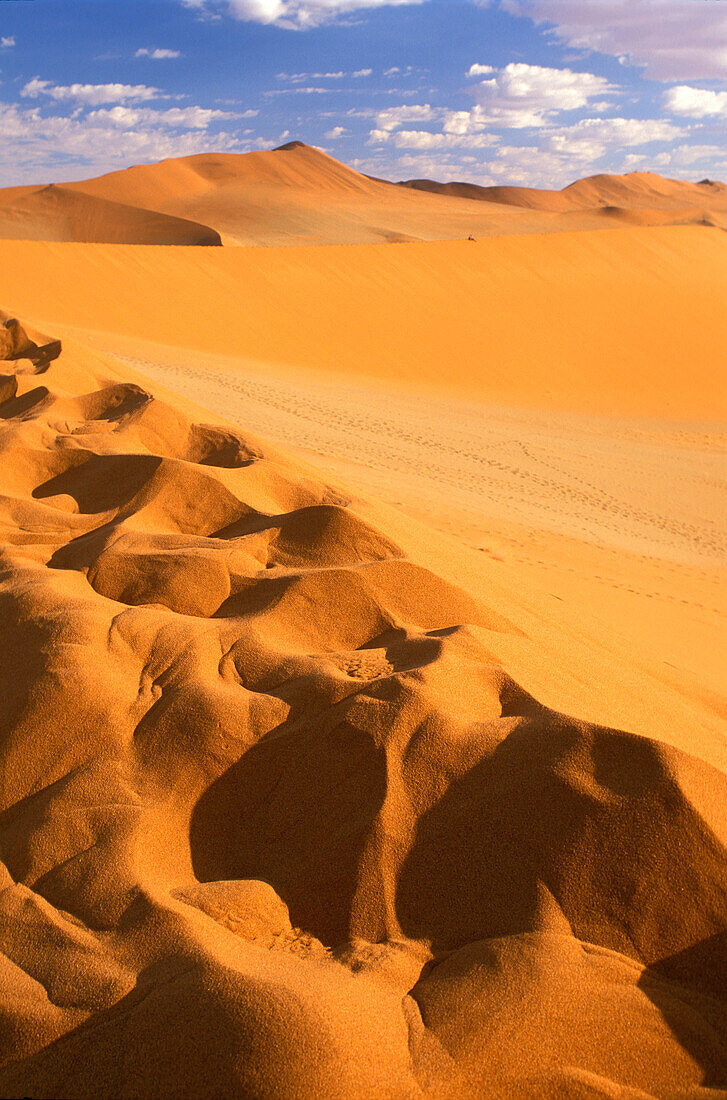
(226, 450)
(595, 821)
(100, 483)
(114, 402)
(253, 597)
(82, 551)
(295, 811)
(32, 401)
(693, 1002)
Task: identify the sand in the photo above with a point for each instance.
(363, 697)
(299, 195)
(626, 321)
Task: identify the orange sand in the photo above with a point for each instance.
(291, 801)
(299, 195)
(627, 321)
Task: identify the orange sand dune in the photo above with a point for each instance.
(60, 214)
(299, 195)
(635, 190)
(628, 321)
(277, 818)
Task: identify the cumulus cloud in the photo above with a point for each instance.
(292, 14)
(522, 95)
(479, 70)
(393, 117)
(701, 159)
(336, 132)
(158, 54)
(77, 146)
(175, 118)
(91, 95)
(695, 102)
(593, 137)
(425, 139)
(672, 39)
(7, 43)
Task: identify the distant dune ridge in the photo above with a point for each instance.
(298, 194)
(276, 821)
(283, 810)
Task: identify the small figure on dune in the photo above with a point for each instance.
(471, 238)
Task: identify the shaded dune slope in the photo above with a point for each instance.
(60, 214)
(276, 821)
(659, 200)
(298, 194)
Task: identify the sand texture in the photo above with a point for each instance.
(278, 819)
(59, 214)
(299, 195)
(363, 704)
(626, 321)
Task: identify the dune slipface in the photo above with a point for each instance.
(60, 214)
(297, 194)
(276, 821)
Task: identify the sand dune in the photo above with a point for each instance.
(60, 214)
(644, 191)
(299, 195)
(621, 322)
(278, 819)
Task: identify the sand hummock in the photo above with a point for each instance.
(278, 821)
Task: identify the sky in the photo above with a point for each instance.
(529, 92)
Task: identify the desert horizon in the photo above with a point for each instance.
(363, 694)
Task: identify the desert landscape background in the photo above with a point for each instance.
(364, 624)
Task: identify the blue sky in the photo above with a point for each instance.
(535, 92)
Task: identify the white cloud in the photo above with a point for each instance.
(673, 39)
(298, 91)
(393, 71)
(298, 78)
(294, 14)
(695, 102)
(361, 72)
(91, 95)
(479, 70)
(425, 139)
(393, 117)
(592, 137)
(8, 42)
(158, 54)
(522, 95)
(709, 157)
(336, 132)
(77, 146)
(175, 118)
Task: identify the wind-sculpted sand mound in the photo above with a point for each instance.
(60, 214)
(277, 822)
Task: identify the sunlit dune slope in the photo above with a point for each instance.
(645, 191)
(299, 195)
(277, 818)
(628, 321)
(60, 214)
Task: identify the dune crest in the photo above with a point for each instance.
(60, 214)
(298, 194)
(276, 820)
